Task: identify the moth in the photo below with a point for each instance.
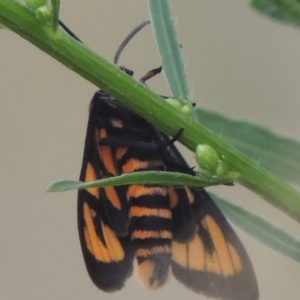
(167, 230)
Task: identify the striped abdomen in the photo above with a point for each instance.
(150, 230)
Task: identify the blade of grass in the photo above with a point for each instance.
(169, 48)
(149, 177)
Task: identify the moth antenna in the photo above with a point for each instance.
(128, 38)
(68, 31)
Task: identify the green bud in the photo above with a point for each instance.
(207, 158)
(187, 110)
(35, 4)
(174, 102)
(211, 163)
(222, 169)
(44, 14)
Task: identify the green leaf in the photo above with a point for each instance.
(262, 230)
(55, 7)
(169, 48)
(274, 152)
(287, 11)
(149, 177)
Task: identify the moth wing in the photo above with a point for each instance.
(214, 262)
(103, 112)
(108, 256)
(209, 259)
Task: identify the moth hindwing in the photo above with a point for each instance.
(175, 230)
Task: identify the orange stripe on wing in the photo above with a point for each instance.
(120, 152)
(112, 251)
(90, 175)
(132, 165)
(213, 263)
(106, 154)
(113, 244)
(94, 245)
(190, 195)
(236, 260)
(113, 197)
(221, 252)
(190, 255)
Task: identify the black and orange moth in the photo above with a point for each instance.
(168, 230)
(175, 230)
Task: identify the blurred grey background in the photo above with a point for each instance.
(238, 63)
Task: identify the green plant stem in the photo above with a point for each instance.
(143, 101)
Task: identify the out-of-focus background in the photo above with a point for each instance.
(238, 63)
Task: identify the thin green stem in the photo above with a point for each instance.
(55, 7)
(140, 99)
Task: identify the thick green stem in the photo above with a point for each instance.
(140, 99)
